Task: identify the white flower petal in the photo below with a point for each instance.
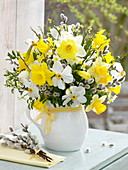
(118, 66)
(76, 103)
(68, 78)
(61, 84)
(65, 96)
(24, 75)
(78, 90)
(55, 82)
(66, 35)
(66, 101)
(54, 33)
(82, 99)
(81, 51)
(57, 67)
(67, 70)
(78, 39)
(73, 89)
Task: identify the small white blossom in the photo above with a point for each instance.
(32, 89)
(62, 76)
(119, 72)
(76, 94)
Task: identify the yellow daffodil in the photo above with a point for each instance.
(40, 57)
(96, 104)
(40, 74)
(116, 89)
(67, 49)
(99, 69)
(69, 46)
(21, 62)
(109, 58)
(106, 79)
(42, 46)
(85, 75)
(100, 41)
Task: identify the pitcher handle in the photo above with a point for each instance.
(33, 121)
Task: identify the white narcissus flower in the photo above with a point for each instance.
(62, 75)
(119, 72)
(76, 95)
(32, 89)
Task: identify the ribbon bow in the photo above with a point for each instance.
(51, 116)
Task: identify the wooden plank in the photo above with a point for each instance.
(7, 38)
(29, 13)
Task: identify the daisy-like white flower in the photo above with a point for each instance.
(32, 89)
(62, 75)
(76, 94)
(119, 72)
(69, 46)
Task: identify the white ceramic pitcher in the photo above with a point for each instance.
(68, 131)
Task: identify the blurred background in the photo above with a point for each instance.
(111, 15)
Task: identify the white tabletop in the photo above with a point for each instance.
(99, 157)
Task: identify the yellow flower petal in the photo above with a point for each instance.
(42, 46)
(40, 74)
(100, 41)
(116, 89)
(85, 75)
(67, 49)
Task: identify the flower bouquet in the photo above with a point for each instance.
(67, 68)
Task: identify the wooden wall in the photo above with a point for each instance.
(16, 17)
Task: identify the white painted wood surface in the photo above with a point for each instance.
(16, 17)
(100, 158)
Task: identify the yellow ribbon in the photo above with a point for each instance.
(51, 116)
